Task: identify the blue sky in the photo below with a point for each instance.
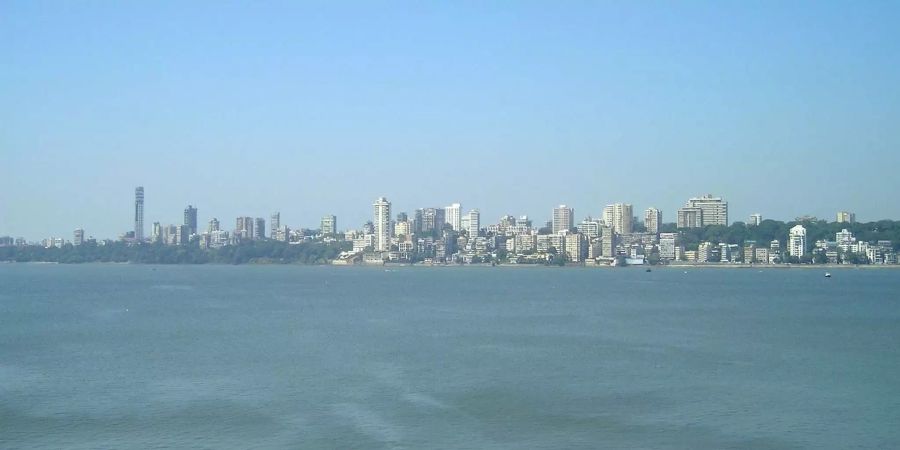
(313, 108)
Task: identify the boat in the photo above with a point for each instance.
(648, 270)
(827, 274)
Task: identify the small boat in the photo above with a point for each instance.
(827, 274)
(648, 270)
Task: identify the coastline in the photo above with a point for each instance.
(506, 265)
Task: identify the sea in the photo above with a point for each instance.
(120, 356)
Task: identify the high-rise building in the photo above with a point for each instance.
(182, 235)
(607, 216)
(139, 213)
(755, 219)
(846, 217)
(607, 242)
(576, 247)
(689, 218)
(797, 241)
(714, 210)
(402, 228)
(259, 229)
(382, 222)
(329, 225)
(589, 227)
(244, 228)
(621, 216)
(474, 223)
(563, 219)
(156, 232)
(274, 224)
(453, 217)
(429, 219)
(78, 239)
(190, 219)
(652, 219)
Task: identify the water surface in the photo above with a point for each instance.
(131, 356)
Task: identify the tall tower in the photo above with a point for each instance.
(797, 241)
(190, 219)
(453, 217)
(563, 218)
(139, 213)
(275, 225)
(328, 225)
(622, 218)
(382, 209)
(652, 219)
(474, 221)
(259, 229)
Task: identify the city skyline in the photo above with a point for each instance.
(782, 109)
(561, 217)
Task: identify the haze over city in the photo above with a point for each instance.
(312, 109)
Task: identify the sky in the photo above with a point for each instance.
(314, 108)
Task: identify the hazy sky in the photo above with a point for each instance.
(310, 108)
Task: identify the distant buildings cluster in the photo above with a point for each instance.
(450, 235)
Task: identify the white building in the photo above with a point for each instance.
(714, 209)
(453, 217)
(589, 227)
(622, 217)
(382, 221)
(797, 241)
(474, 223)
(607, 216)
(563, 218)
(755, 219)
(652, 220)
(667, 244)
(328, 225)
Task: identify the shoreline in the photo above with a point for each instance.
(507, 265)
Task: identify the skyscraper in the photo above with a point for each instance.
(329, 225)
(620, 217)
(139, 213)
(607, 216)
(244, 228)
(474, 223)
(797, 241)
(382, 222)
(428, 219)
(259, 229)
(689, 218)
(563, 218)
(275, 225)
(156, 232)
(452, 215)
(190, 219)
(714, 210)
(79, 237)
(652, 219)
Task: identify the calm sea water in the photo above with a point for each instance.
(129, 356)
